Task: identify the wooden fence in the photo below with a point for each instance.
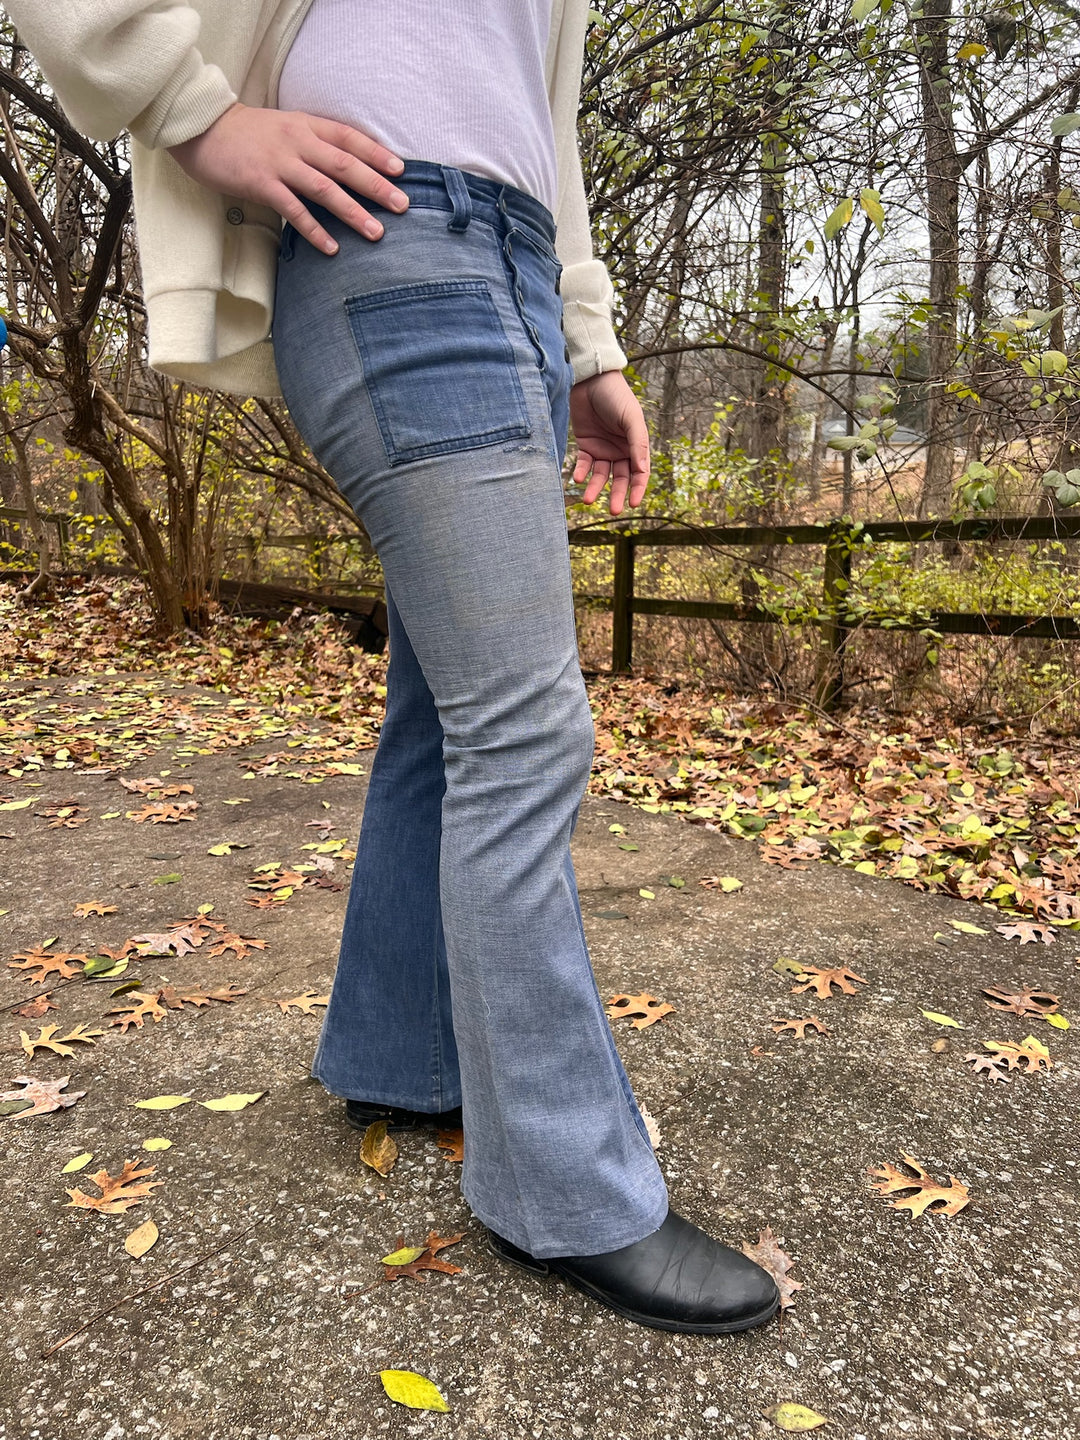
(836, 621)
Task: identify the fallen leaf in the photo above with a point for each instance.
(232, 1102)
(1027, 932)
(452, 1141)
(37, 1097)
(725, 883)
(163, 1102)
(118, 1192)
(651, 1126)
(1022, 1002)
(966, 928)
(820, 981)
(798, 1027)
(403, 1256)
(794, 1419)
(93, 907)
(941, 1019)
(768, 1254)
(951, 1198)
(647, 1007)
(378, 1149)
(142, 1238)
(46, 1039)
(61, 965)
(409, 1388)
(305, 1002)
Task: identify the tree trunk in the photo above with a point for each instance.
(943, 172)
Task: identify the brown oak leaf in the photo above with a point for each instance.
(178, 940)
(799, 1027)
(647, 1007)
(929, 1192)
(47, 1040)
(1022, 1002)
(1030, 1055)
(768, 1254)
(305, 1002)
(118, 1192)
(820, 980)
(165, 813)
(429, 1260)
(93, 907)
(43, 1095)
(46, 962)
(135, 1009)
(34, 1009)
(989, 1065)
(1027, 932)
(453, 1142)
(240, 945)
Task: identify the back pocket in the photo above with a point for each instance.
(438, 367)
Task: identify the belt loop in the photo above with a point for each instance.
(458, 191)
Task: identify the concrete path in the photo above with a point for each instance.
(964, 1326)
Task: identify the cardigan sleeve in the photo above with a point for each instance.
(587, 292)
(125, 65)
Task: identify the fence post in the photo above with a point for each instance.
(829, 691)
(622, 613)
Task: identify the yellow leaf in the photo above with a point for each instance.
(971, 51)
(232, 1102)
(1058, 1021)
(17, 804)
(646, 894)
(157, 1142)
(728, 884)
(141, 1239)
(870, 200)
(840, 216)
(409, 1388)
(941, 1019)
(784, 966)
(163, 1102)
(377, 1149)
(1037, 1046)
(404, 1257)
(795, 1419)
(966, 928)
(866, 867)
(79, 1163)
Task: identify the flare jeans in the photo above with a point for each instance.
(428, 373)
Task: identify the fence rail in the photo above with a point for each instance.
(835, 621)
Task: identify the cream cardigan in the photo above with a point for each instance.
(165, 70)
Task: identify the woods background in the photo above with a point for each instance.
(844, 242)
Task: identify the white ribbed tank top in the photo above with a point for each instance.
(459, 83)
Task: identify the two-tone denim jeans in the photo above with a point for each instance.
(428, 373)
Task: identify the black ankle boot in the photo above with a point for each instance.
(362, 1113)
(677, 1278)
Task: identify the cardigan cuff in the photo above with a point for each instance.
(196, 96)
(588, 296)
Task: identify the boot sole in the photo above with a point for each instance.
(680, 1327)
(417, 1124)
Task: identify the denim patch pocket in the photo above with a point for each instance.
(438, 367)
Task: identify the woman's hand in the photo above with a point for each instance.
(612, 438)
(273, 157)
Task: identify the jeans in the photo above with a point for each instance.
(428, 373)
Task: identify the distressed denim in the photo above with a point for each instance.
(428, 373)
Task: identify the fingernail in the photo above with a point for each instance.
(373, 229)
(398, 200)
(396, 166)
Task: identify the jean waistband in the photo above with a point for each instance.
(465, 196)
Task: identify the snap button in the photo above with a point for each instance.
(234, 215)
(566, 353)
